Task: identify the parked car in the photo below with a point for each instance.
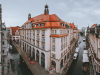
(75, 56)
(77, 50)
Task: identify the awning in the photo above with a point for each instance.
(85, 58)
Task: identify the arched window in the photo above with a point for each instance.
(61, 64)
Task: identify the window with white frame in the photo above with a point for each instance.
(30, 35)
(34, 31)
(3, 43)
(42, 24)
(53, 40)
(37, 44)
(30, 41)
(61, 39)
(43, 46)
(2, 51)
(55, 32)
(35, 25)
(53, 55)
(43, 39)
(34, 37)
(53, 48)
(62, 25)
(67, 31)
(52, 31)
(33, 42)
(60, 31)
(66, 44)
(38, 38)
(38, 31)
(61, 47)
(38, 25)
(43, 31)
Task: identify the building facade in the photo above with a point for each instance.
(93, 34)
(3, 47)
(14, 33)
(49, 40)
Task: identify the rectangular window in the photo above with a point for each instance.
(38, 38)
(66, 50)
(61, 47)
(67, 31)
(42, 24)
(37, 31)
(37, 44)
(43, 39)
(43, 31)
(3, 60)
(2, 51)
(2, 34)
(66, 44)
(34, 37)
(53, 40)
(53, 55)
(43, 46)
(53, 48)
(34, 31)
(52, 31)
(61, 39)
(55, 32)
(35, 25)
(38, 25)
(2, 42)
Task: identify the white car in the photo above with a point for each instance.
(77, 50)
(75, 56)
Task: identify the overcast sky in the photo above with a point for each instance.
(81, 12)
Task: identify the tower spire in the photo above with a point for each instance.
(46, 11)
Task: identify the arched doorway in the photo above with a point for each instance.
(30, 51)
(25, 47)
(37, 56)
(65, 60)
(43, 60)
(61, 64)
(33, 54)
(53, 65)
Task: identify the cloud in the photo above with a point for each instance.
(61, 6)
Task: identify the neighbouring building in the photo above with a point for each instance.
(49, 40)
(3, 47)
(93, 37)
(14, 33)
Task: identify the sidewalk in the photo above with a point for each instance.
(35, 68)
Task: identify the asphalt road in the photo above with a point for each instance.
(76, 66)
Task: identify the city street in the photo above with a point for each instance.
(22, 69)
(76, 67)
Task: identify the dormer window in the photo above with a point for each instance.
(35, 25)
(42, 24)
(41, 19)
(38, 25)
(62, 25)
(37, 20)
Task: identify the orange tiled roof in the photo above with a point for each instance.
(14, 29)
(72, 25)
(93, 25)
(49, 20)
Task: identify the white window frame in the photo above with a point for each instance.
(38, 31)
(53, 40)
(35, 25)
(53, 48)
(43, 46)
(38, 25)
(52, 31)
(43, 31)
(42, 24)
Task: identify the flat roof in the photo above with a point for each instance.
(85, 51)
